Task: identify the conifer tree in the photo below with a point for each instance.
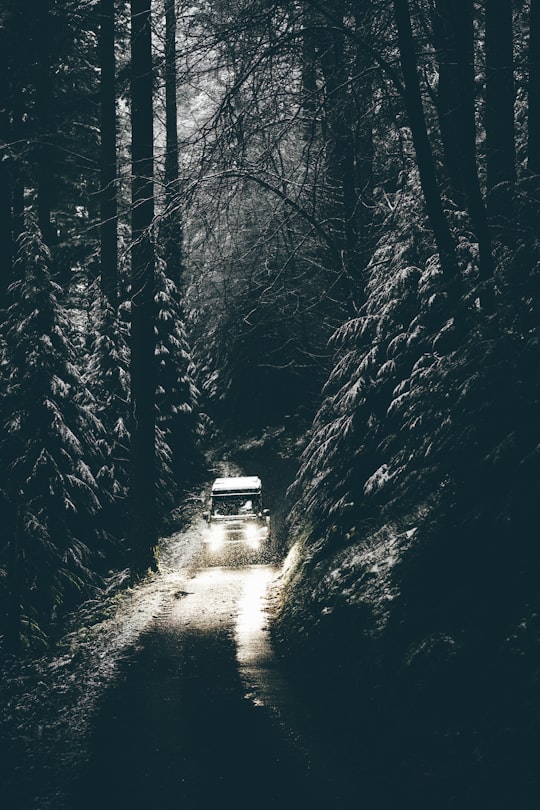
(107, 376)
(143, 379)
(108, 155)
(50, 448)
(177, 394)
(533, 129)
(6, 219)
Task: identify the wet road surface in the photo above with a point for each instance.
(201, 716)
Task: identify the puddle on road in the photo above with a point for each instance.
(252, 641)
(254, 653)
(237, 598)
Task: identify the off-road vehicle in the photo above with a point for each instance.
(236, 518)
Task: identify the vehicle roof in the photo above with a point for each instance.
(240, 483)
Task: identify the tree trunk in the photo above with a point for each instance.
(424, 155)
(14, 586)
(499, 118)
(18, 173)
(46, 127)
(456, 42)
(172, 225)
(108, 170)
(18, 209)
(6, 218)
(344, 205)
(448, 104)
(143, 373)
(464, 39)
(364, 150)
(533, 141)
(310, 94)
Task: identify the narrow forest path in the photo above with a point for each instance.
(202, 716)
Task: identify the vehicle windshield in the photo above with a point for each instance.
(235, 504)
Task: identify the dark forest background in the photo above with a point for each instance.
(231, 216)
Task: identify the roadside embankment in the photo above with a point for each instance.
(422, 654)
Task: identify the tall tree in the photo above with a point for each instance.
(363, 87)
(533, 141)
(49, 449)
(172, 224)
(108, 173)
(176, 392)
(6, 219)
(338, 111)
(448, 104)
(500, 128)
(337, 81)
(453, 30)
(107, 376)
(143, 372)
(176, 395)
(46, 123)
(422, 144)
(347, 67)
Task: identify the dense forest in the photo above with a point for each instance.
(229, 216)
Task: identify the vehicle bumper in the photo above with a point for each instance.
(219, 537)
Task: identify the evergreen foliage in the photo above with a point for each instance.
(52, 103)
(349, 226)
(107, 376)
(51, 446)
(177, 396)
(426, 404)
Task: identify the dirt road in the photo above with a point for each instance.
(201, 716)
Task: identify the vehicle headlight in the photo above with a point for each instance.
(217, 536)
(252, 535)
